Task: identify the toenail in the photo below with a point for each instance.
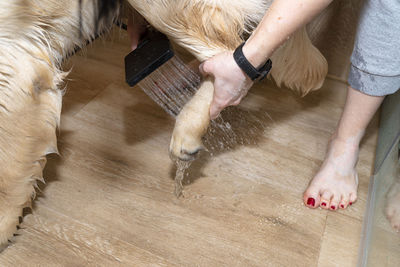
(323, 204)
(333, 207)
(351, 203)
(342, 206)
(311, 201)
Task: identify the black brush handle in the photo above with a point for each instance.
(152, 52)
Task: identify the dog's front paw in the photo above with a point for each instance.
(185, 142)
(9, 219)
(191, 124)
(393, 206)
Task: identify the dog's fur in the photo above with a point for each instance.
(36, 36)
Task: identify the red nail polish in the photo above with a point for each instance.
(342, 206)
(311, 201)
(333, 207)
(351, 203)
(323, 204)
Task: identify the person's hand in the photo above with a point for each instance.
(230, 82)
(136, 28)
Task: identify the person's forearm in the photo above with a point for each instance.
(281, 20)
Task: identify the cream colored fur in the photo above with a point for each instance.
(192, 123)
(35, 37)
(299, 65)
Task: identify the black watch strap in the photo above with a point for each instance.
(250, 70)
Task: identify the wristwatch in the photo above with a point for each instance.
(250, 70)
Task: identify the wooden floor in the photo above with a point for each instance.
(108, 199)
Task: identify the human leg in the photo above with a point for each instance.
(335, 184)
(374, 73)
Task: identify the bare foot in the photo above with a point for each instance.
(335, 184)
(392, 209)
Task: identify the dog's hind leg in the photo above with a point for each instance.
(30, 106)
(299, 65)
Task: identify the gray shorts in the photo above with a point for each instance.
(375, 62)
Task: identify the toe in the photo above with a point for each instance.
(344, 202)
(335, 202)
(311, 198)
(310, 202)
(352, 198)
(326, 199)
(324, 204)
(389, 213)
(395, 222)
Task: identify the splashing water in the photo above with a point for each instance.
(181, 167)
(235, 126)
(173, 84)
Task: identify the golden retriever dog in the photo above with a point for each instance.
(37, 35)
